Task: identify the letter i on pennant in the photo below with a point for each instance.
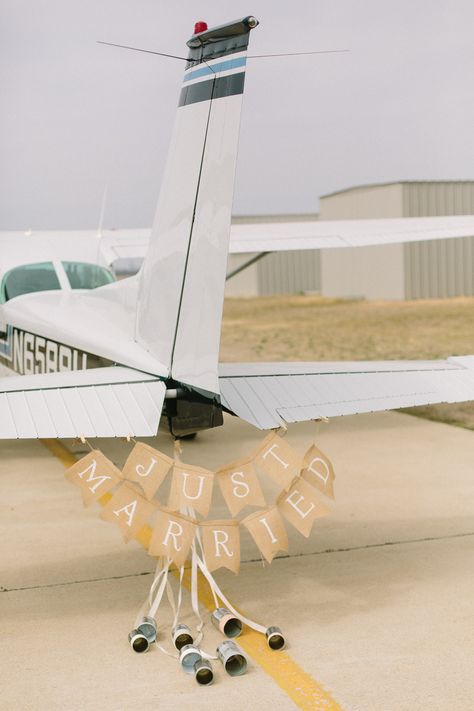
(268, 531)
(95, 475)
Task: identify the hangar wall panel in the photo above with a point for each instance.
(289, 273)
(444, 268)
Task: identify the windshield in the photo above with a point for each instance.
(29, 278)
(87, 276)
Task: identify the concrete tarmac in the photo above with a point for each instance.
(377, 604)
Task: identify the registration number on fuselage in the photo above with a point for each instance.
(27, 353)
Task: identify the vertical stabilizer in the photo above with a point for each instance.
(183, 276)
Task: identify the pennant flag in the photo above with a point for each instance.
(128, 509)
(279, 460)
(172, 536)
(268, 531)
(240, 486)
(301, 506)
(221, 544)
(191, 487)
(148, 467)
(319, 471)
(95, 475)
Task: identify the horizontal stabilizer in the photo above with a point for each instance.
(270, 394)
(100, 402)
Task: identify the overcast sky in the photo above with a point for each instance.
(76, 116)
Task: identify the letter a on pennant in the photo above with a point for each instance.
(240, 486)
(319, 471)
(147, 467)
(95, 475)
(172, 536)
(221, 543)
(191, 487)
(268, 531)
(301, 506)
(128, 509)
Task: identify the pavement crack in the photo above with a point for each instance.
(327, 551)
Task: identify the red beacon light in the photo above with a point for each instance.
(200, 27)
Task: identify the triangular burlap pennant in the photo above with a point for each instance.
(191, 487)
(240, 486)
(172, 536)
(128, 509)
(301, 506)
(148, 467)
(221, 543)
(279, 460)
(319, 471)
(268, 531)
(95, 475)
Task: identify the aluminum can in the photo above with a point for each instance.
(138, 641)
(188, 656)
(203, 672)
(147, 626)
(275, 639)
(182, 636)
(232, 658)
(226, 622)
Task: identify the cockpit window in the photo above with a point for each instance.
(29, 278)
(87, 276)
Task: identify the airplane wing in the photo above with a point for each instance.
(325, 234)
(305, 234)
(271, 394)
(99, 402)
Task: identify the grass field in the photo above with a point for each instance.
(314, 328)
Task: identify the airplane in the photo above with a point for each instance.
(97, 357)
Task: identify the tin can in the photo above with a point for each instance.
(275, 639)
(232, 658)
(138, 641)
(188, 656)
(147, 627)
(203, 672)
(226, 622)
(182, 636)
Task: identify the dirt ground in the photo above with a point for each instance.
(313, 328)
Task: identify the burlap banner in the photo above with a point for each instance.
(299, 480)
(279, 460)
(301, 506)
(191, 487)
(172, 536)
(268, 531)
(148, 467)
(128, 509)
(319, 471)
(240, 486)
(221, 544)
(95, 475)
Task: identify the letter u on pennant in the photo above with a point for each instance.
(191, 487)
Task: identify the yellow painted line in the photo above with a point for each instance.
(300, 687)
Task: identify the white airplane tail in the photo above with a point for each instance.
(182, 280)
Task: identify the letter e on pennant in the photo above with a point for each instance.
(301, 506)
